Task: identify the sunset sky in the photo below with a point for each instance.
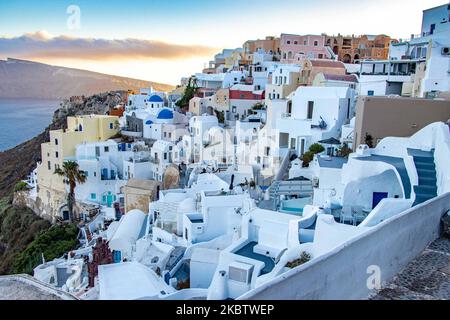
(165, 40)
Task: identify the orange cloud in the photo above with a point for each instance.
(40, 45)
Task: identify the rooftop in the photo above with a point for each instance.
(326, 63)
(332, 162)
(25, 287)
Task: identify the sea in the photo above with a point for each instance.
(23, 119)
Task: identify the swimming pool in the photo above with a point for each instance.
(247, 251)
(295, 206)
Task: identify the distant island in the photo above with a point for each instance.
(34, 80)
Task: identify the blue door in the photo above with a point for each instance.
(109, 200)
(104, 174)
(117, 256)
(377, 197)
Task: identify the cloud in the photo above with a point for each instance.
(41, 44)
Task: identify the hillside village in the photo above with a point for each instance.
(284, 160)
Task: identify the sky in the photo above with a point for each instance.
(164, 40)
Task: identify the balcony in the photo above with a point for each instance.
(130, 133)
(154, 160)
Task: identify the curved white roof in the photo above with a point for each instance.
(187, 205)
(128, 231)
(161, 145)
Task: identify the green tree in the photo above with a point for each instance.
(51, 244)
(307, 157)
(344, 151)
(72, 176)
(21, 186)
(189, 93)
(316, 148)
(368, 139)
(220, 116)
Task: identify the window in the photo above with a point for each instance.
(106, 149)
(165, 155)
(170, 136)
(316, 43)
(320, 56)
(86, 173)
(93, 196)
(304, 42)
(295, 42)
(370, 93)
(111, 125)
(165, 134)
(233, 109)
(49, 165)
(56, 142)
(288, 42)
(267, 151)
(95, 173)
(56, 154)
(310, 109)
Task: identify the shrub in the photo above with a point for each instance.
(307, 157)
(316, 148)
(52, 243)
(183, 284)
(368, 139)
(344, 151)
(21, 186)
(304, 257)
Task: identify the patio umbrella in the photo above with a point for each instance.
(330, 141)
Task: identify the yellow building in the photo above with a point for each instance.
(51, 191)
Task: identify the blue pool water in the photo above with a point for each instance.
(247, 251)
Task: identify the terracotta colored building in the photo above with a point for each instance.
(295, 48)
(310, 68)
(383, 117)
(350, 49)
(269, 45)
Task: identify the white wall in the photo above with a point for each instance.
(343, 272)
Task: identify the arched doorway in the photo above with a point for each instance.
(347, 58)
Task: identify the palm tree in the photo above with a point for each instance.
(72, 175)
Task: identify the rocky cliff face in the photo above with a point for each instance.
(19, 161)
(20, 228)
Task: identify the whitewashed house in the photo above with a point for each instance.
(102, 164)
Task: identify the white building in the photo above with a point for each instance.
(192, 144)
(102, 163)
(163, 153)
(317, 113)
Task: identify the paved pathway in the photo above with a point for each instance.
(425, 278)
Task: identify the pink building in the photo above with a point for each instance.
(294, 48)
